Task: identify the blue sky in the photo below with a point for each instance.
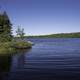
(43, 16)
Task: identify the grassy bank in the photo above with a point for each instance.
(10, 47)
(22, 45)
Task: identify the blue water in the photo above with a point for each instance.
(49, 59)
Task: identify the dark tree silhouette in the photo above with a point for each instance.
(5, 27)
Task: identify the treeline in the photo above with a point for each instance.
(61, 35)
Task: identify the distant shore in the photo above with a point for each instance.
(59, 35)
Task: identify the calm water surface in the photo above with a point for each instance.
(49, 59)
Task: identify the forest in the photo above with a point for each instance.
(59, 35)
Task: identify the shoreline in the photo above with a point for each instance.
(10, 47)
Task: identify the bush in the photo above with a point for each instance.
(6, 48)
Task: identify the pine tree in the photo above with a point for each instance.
(5, 28)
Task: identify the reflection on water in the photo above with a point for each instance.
(18, 60)
(5, 62)
(49, 59)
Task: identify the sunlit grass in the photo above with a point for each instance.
(10, 47)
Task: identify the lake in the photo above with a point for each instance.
(48, 59)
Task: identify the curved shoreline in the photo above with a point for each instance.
(10, 47)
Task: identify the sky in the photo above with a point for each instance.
(39, 17)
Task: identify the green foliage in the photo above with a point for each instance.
(5, 28)
(10, 47)
(62, 35)
(22, 45)
(20, 33)
(6, 48)
(7, 43)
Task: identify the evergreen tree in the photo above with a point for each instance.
(5, 28)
